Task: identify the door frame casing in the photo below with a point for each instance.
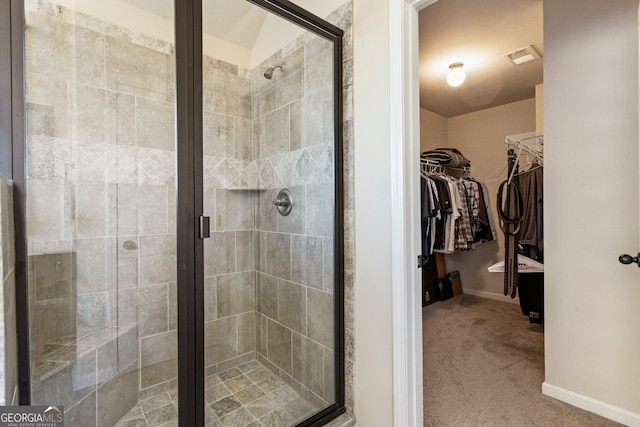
(405, 191)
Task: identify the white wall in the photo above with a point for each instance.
(373, 326)
(592, 303)
(433, 130)
(540, 107)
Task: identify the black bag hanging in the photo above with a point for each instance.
(510, 211)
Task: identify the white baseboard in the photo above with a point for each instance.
(491, 295)
(588, 404)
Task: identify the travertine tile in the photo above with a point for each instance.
(242, 139)
(267, 291)
(329, 375)
(45, 209)
(220, 253)
(218, 135)
(152, 209)
(225, 406)
(135, 69)
(236, 293)
(235, 210)
(296, 125)
(277, 418)
(266, 218)
(81, 412)
(262, 405)
(161, 415)
(95, 205)
(249, 394)
(318, 70)
(155, 166)
(116, 397)
(217, 392)
(289, 87)
(240, 417)
(221, 340)
(278, 255)
(210, 299)
(157, 259)
(47, 107)
(89, 57)
(279, 345)
(320, 317)
(320, 207)
(50, 45)
(261, 334)
(232, 94)
(292, 306)
(308, 363)
(49, 158)
(307, 261)
(246, 332)
(96, 265)
(312, 119)
(93, 117)
(246, 250)
(155, 124)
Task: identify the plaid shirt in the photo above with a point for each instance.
(464, 232)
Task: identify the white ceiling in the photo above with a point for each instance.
(238, 21)
(478, 33)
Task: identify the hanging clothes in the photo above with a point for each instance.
(531, 236)
(455, 214)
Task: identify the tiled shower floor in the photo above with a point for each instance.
(245, 396)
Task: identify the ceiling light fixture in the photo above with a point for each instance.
(456, 74)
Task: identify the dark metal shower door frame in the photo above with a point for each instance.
(189, 89)
(189, 186)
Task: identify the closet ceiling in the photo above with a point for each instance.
(478, 33)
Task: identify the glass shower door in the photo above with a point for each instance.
(269, 189)
(101, 225)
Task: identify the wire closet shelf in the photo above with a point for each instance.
(430, 167)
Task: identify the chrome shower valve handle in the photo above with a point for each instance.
(284, 202)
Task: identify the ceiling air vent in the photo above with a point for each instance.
(522, 56)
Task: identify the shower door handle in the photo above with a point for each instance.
(205, 227)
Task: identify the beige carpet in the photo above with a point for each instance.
(484, 366)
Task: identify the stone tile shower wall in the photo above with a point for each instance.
(229, 199)
(101, 213)
(294, 136)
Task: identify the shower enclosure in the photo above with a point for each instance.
(184, 212)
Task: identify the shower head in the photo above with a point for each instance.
(268, 73)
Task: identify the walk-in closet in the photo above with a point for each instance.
(482, 228)
(481, 175)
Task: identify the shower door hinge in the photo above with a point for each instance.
(205, 229)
